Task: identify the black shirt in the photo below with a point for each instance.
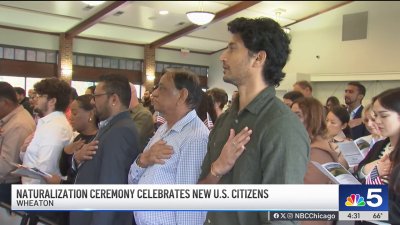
(65, 162)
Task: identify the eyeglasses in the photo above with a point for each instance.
(97, 95)
(39, 96)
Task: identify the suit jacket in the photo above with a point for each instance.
(117, 149)
(373, 154)
(360, 130)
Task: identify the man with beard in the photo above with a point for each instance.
(353, 96)
(142, 117)
(146, 101)
(113, 150)
(53, 131)
(253, 62)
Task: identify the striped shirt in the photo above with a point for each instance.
(208, 122)
(189, 138)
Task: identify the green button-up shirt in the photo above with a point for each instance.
(278, 151)
(144, 124)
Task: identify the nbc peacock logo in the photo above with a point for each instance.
(355, 200)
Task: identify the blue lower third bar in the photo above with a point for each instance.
(304, 215)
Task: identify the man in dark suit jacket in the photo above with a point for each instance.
(353, 96)
(117, 147)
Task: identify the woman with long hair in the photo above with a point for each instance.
(219, 98)
(385, 154)
(384, 158)
(206, 111)
(311, 113)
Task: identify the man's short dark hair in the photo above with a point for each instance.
(293, 95)
(264, 34)
(360, 87)
(119, 85)
(55, 88)
(218, 95)
(20, 91)
(74, 94)
(304, 84)
(8, 92)
(184, 78)
(92, 88)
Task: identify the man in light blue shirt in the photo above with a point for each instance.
(175, 153)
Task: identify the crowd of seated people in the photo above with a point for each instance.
(381, 121)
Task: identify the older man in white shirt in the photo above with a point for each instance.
(53, 131)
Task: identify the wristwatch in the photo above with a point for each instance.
(138, 161)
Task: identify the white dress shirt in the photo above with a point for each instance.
(53, 133)
(353, 113)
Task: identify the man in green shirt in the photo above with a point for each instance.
(278, 150)
(143, 119)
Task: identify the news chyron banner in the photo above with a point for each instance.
(355, 202)
(278, 202)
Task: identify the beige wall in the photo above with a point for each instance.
(45, 41)
(377, 53)
(108, 49)
(165, 55)
(216, 73)
(28, 39)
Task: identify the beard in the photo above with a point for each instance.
(146, 99)
(41, 110)
(347, 101)
(104, 113)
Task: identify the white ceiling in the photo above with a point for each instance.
(141, 22)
